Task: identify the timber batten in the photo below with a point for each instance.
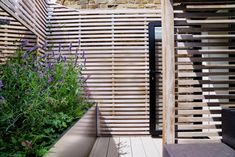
(204, 37)
(10, 36)
(30, 14)
(168, 51)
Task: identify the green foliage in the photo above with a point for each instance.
(39, 101)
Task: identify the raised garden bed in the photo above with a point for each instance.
(41, 96)
(78, 140)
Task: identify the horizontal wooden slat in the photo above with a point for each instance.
(204, 67)
(116, 50)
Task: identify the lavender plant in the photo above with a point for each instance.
(40, 97)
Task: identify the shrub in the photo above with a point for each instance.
(40, 97)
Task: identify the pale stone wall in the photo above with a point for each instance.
(114, 4)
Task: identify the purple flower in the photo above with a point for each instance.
(42, 56)
(85, 80)
(76, 61)
(50, 79)
(87, 93)
(64, 58)
(83, 54)
(64, 70)
(76, 58)
(1, 84)
(49, 65)
(44, 46)
(70, 47)
(61, 81)
(60, 57)
(59, 47)
(84, 62)
(32, 49)
(46, 58)
(2, 99)
(24, 55)
(76, 53)
(40, 74)
(79, 42)
(24, 42)
(53, 54)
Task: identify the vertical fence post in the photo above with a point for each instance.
(168, 71)
(97, 120)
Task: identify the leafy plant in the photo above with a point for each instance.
(40, 97)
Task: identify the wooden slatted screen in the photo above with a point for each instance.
(30, 13)
(10, 36)
(115, 43)
(204, 32)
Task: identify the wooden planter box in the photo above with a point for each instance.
(79, 139)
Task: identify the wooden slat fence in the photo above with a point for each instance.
(204, 56)
(30, 13)
(11, 34)
(115, 43)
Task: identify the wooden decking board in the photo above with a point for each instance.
(158, 145)
(127, 146)
(101, 147)
(92, 153)
(137, 147)
(149, 147)
(113, 149)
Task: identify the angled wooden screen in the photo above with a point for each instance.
(10, 35)
(31, 14)
(115, 43)
(205, 49)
